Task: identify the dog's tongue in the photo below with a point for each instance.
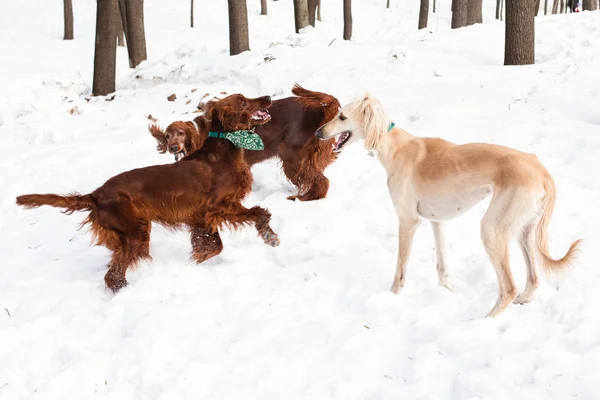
(260, 114)
(339, 141)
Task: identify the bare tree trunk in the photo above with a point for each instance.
(300, 14)
(319, 12)
(105, 50)
(589, 5)
(501, 9)
(388, 4)
(562, 6)
(555, 7)
(519, 47)
(238, 27)
(434, 5)
(132, 15)
(119, 27)
(545, 7)
(498, 8)
(459, 13)
(263, 7)
(474, 12)
(347, 19)
(312, 11)
(423, 13)
(192, 14)
(537, 7)
(68, 11)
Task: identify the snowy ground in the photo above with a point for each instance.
(312, 318)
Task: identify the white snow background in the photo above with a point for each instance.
(312, 318)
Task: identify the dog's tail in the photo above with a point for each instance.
(71, 203)
(548, 263)
(311, 94)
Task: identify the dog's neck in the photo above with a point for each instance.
(392, 145)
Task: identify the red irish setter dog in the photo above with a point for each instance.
(290, 136)
(202, 192)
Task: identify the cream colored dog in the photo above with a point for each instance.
(437, 180)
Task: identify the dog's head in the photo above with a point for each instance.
(181, 137)
(237, 112)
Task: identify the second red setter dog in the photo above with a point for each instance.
(290, 136)
(202, 192)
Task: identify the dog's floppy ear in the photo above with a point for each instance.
(159, 135)
(232, 119)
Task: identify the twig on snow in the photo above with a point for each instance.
(8, 312)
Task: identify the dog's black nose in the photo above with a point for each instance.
(266, 100)
(174, 148)
(319, 133)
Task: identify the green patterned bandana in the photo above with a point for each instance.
(242, 139)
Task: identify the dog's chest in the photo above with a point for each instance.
(450, 206)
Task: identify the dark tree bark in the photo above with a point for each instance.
(555, 7)
(545, 7)
(498, 8)
(312, 11)
(423, 13)
(474, 12)
(238, 27)
(263, 7)
(537, 7)
(434, 5)
(119, 27)
(319, 11)
(68, 11)
(519, 47)
(300, 14)
(589, 5)
(388, 4)
(347, 19)
(132, 15)
(105, 51)
(562, 6)
(191, 13)
(459, 13)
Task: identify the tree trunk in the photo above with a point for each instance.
(68, 10)
(312, 11)
(555, 7)
(105, 51)
(434, 5)
(388, 4)
(459, 13)
(238, 27)
(519, 47)
(132, 15)
(300, 14)
(545, 7)
(263, 7)
(474, 12)
(347, 19)
(192, 14)
(562, 6)
(498, 8)
(589, 5)
(119, 27)
(423, 13)
(537, 7)
(501, 9)
(319, 11)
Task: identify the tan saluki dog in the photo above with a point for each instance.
(437, 180)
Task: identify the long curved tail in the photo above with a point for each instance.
(548, 263)
(71, 203)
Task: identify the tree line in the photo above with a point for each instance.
(122, 21)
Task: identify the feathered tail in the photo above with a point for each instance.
(71, 203)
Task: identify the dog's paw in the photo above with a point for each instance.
(271, 239)
(293, 198)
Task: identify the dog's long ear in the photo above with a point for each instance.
(232, 119)
(196, 140)
(207, 108)
(159, 135)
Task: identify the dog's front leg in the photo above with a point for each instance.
(440, 254)
(406, 234)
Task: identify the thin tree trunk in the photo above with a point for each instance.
(501, 9)
(238, 27)
(300, 14)
(263, 7)
(562, 6)
(319, 12)
(312, 11)
(68, 11)
(388, 4)
(555, 7)
(132, 15)
(119, 27)
(537, 7)
(423, 13)
(545, 7)
(459, 13)
(474, 12)
(105, 50)
(347, 19)
(519, 47)
(191, 13)
(434, 5)
(589, 5)
(498, 8)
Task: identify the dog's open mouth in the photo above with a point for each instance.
(341, 140)
(179, 155)
(261, 115)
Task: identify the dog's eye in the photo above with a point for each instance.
(168, 136)
(244, 103)
(179, 133)
(342, 117)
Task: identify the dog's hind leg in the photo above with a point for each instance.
(527, 245)
(130, 253)
(440, 254)
(206, 242)
(406, 234)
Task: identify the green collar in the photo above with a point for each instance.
(391, 126)
(242, 139)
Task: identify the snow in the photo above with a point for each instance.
(312, 318)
